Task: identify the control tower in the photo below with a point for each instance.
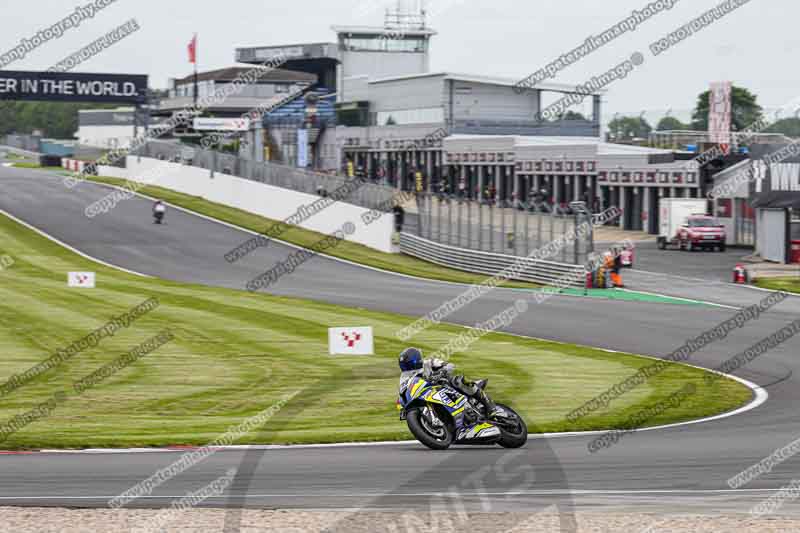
(400, 47)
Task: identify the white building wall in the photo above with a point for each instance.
(105, 136)
(467, 143)
(478, 101)
(356, 88)
(380, 65)
(426, 92)
(257, 198)
(587, 152)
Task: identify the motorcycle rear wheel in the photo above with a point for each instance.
(434, 437)
(513, 438)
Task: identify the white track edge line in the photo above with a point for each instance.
(376, 269)
(286, 243)
(761, 395)
(321, 254)
(551, 492)
(70, 248)
(359, 265)
(692, 300)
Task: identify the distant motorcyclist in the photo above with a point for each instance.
(158, 211)
(412, 365)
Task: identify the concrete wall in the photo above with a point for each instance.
(257, 198)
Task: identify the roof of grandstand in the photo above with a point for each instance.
(231, 73)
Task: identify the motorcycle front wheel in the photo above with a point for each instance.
(429, 429)
(515, 431)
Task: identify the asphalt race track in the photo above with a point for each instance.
(675, 469)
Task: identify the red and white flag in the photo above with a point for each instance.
(193, 50)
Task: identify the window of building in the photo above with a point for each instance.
(384, 43)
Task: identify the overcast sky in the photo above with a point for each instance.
(755, 46)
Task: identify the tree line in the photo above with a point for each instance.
(745, 112)
(58, 120)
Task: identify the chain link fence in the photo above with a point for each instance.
(440, 218)
(517, 231)
(369, 195)
(28, 143)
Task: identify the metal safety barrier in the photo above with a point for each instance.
(484, 226)
(533, 270)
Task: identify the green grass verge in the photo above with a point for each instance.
(350, 251)
(236, 353)
(780, 284)
(35, 165)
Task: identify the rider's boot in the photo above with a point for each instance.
(492, 410)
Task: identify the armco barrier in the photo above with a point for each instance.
(537, 271)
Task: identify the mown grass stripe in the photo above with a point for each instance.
(235, 353)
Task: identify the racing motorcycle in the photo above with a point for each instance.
(438, 415)
(158, 213)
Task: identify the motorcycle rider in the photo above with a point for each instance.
(158, 211)
(412, 364)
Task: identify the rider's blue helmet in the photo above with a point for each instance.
(410, 359)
